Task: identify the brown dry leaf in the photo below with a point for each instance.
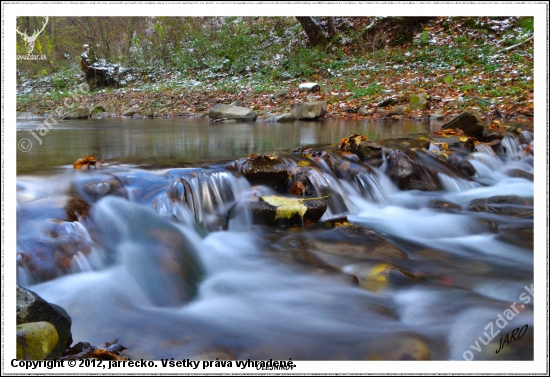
(297, 188)
(86, 162)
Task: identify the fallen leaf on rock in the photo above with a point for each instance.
(287, 207)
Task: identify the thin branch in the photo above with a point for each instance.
(516, 45)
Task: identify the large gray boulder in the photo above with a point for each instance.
(308, 110)
(81, 112)
(33, 308)
(221, 110)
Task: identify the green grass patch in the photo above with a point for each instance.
(372, 89)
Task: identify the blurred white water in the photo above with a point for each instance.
(249, 304)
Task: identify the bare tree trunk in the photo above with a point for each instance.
(315, 34)
(331, 28)
(130, 36)
(53, 36)
(100, 23)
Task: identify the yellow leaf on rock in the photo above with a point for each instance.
(286, 207)
(463, 139)
(358, 140)
(303, 163)
(444, 146)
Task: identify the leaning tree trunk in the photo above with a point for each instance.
(315, 34)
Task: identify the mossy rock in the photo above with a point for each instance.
(36, 340)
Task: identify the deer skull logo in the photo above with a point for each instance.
(30, 39)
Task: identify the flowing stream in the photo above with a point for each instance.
(156, 261)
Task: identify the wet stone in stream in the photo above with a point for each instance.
(409, 174)
(92, 187)
(263, 170)
(502, 205)
(444, 206)
(49, 248)
(264, 213)
(519, 173)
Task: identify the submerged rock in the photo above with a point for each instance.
(158, 255)
(519, 173)
(33, 308)
(308, 110)
(92, 187)
(354, 241)
(518, 235)
(444, 206)
(509, 205)
(405, 346)
(46, 248)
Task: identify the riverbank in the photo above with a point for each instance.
(455, 64)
